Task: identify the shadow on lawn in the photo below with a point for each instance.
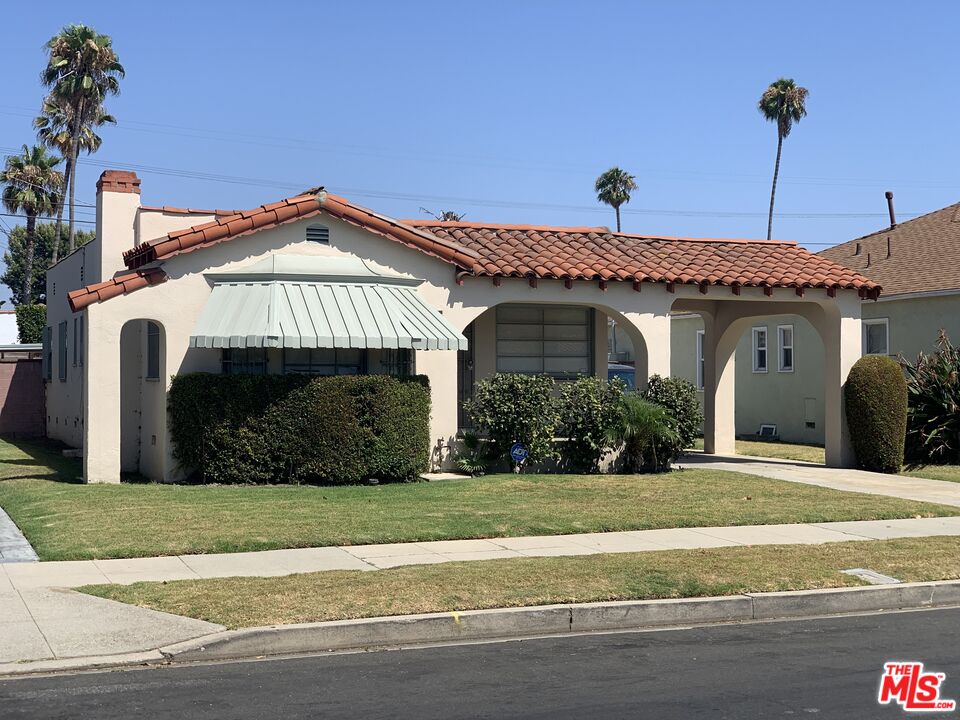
(44, 461)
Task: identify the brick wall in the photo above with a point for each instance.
(21, 397)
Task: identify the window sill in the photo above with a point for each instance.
(760, 372)
(785, 370)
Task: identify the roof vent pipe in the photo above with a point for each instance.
(889, 247)
(868, 259)
(893, 218)
(856, 249)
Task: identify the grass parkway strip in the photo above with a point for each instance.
(337, 595)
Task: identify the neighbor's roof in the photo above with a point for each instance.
(924, 254)
(529, 251)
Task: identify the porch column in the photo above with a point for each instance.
(440, 367)
(719, 365)
(101, 398)
(840, 332)
(651, 350)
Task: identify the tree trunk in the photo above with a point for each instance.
(29, 244)
(74, 153)
(67, 170)
(773, 190)
(617, 209)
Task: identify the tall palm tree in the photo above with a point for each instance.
(783, 102)
(614, 188)
(32, 186)
(81, 72)
(54, 130)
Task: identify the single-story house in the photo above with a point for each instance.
(780, 357)
(315, 283)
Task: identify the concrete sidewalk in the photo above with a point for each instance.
(41, 618)
(68, 574)
(900, 486)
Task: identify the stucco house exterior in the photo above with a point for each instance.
(315, 283)
(779, 374)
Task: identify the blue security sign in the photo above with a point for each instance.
(519, 452)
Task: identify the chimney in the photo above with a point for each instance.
(118, 200)
(856, 249)
(893, 218)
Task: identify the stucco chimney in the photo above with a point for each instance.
(118, 199)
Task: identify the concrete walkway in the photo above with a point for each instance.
(13, 545)
(41, 618)
(900, 486)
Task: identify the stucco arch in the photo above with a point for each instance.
(143, 397)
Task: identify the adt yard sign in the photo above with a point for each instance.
(519, 452)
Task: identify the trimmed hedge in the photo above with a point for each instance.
(876, 399)
(254, 429)
(31, 319)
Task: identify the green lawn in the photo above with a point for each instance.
(334, 595)
(67, 521)
(779, 450)
(950, 473)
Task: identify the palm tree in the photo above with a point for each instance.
(32, 186)
(614, 188)
(648, 433)
(54, 130)
(783, 102)
(82, 71)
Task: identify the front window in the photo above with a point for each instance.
(785, 341)
(397, 362)
(243, 361)
(557, 340)
(876, 337)
(324, 361)
(759, 349)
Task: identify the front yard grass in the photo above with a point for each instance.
(950, 473)
(779, 450)
(335, 595)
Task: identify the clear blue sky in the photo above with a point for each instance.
(507, 111)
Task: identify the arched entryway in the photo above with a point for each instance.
(143, 398)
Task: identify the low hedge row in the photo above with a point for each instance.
(255, 429)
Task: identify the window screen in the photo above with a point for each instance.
(553, 339)
(324, 361)
(243, 361)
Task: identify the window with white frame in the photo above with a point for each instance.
(700, 364)
(876, 336)
(759, 349)
(785, 348)
(557, 340)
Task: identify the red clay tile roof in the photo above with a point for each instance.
(289, 210)
(117, 285)
(533, 251)
(586, 253)
(924, 254)
(170, 210)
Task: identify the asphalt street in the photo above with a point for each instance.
(826, 668)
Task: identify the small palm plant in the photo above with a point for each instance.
(614, 188)
(784, 103)
(933, 413)
(476, 456)
(648, 434)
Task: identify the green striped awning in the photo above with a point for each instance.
(314, 302)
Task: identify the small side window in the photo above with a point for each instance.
(700, 363)
(759, 349)
(876, 336)
(153, 351)
(785, 342)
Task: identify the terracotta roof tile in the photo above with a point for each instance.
(924, 254)
(595, 253)
(117, 285)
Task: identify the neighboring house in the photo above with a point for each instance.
(780, 360)
(316, 284)
(9, 335)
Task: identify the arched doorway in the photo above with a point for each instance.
(143, 398)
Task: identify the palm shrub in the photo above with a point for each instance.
(876, 400)
(474, 458)
(933, 406)
(648, 434)
(511, 408)
(589, 408)
(679, 396)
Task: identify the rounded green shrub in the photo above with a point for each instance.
(876, 402)
(679, 396)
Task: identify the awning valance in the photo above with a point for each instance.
(298, 303)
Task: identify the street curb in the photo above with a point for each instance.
(506, 623)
